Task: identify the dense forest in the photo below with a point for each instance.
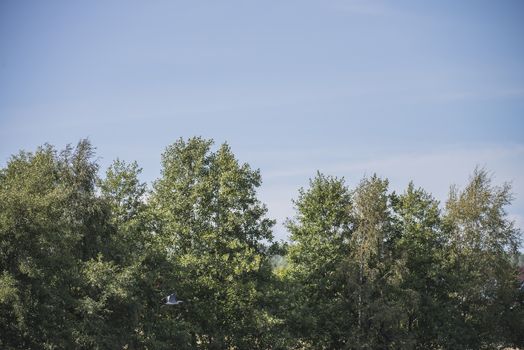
(87, 259)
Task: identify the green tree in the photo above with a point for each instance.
(212, 226)
(121, 291)
(373, 271)
(320, 315)
(51, 223)
(419, 250)
(482, 244)
(85, 261)
(69, 251)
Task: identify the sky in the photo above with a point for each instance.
(410, 90)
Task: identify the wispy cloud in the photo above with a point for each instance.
(482, 95)
(402, 161)
(363, 7)
(434, 171)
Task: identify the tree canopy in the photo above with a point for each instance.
(86, 259)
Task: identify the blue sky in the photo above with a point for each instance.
(412, 90)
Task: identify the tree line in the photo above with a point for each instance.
(86, 260)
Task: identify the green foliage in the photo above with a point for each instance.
(51, 223)
(419, 249)
(85, 261)
(212, 229)
(481, 247)
(320, 233)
